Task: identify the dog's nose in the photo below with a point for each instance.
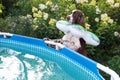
(68, 18)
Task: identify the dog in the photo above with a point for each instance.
(77, 17)
(77, 44)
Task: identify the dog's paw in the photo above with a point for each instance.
(46, 39)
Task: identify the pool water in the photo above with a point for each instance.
(23, 66)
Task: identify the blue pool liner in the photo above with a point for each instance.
(73, 63)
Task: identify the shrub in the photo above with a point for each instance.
(8, 6)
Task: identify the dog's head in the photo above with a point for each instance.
(77, 17)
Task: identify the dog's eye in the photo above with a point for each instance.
(74, 13)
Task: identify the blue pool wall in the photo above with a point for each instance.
(69, 60)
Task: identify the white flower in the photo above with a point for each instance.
(42, 6)
(93, 2)
(49, 3)
(35, 27)
(106, 19)
(116, 4)
(98, 11)
(52, 21)
(29, 16)
(81, 1)
(97, 19)
(54, 7)
(77, 1)
(34, 9)
(104, 16)
(116, 34)
(67, 10)
(110, 21)
(40, 13)
(62, 18)
(87, 26)
(111, 2)
(45, 16)
(36, 15)
(35, 20)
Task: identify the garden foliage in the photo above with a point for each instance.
(37, 18)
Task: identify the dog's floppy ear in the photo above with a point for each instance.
(78, 18)
(74, 15)
(81, 21)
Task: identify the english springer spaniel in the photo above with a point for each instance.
(77, 17)
(68, 39)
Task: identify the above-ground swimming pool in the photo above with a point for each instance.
(25, 58)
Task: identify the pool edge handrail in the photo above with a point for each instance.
(112, 73)
(4, 34)
(57, 45)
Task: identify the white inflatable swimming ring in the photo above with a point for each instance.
(63, 26)
(78, 31)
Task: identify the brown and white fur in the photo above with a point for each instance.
(77, 17)
(77, 44)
